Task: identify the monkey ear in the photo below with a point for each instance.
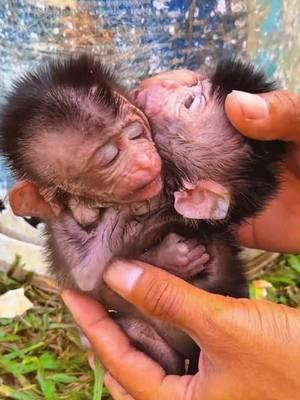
(26, 200)
(202, 200)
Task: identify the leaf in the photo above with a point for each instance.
(294, 262)
(9, 338)
(47, 386)
(62, 378)
(48, 361)
(98, 384)
(11, 393)
(15, 367)
(280, 279)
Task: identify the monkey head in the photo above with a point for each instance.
(211, 171)
(69, 128)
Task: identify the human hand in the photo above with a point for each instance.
(250, 349)
(271, 116)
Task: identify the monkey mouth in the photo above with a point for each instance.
(149, 190)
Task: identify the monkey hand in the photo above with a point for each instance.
(83, 214)
(182, 257)
(243, 342)
(272, 116)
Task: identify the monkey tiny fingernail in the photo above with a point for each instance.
(252, 105)
(122, 275)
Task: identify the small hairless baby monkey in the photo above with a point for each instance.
(213, 177)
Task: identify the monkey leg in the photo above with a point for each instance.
(182, 257)
(145, 338)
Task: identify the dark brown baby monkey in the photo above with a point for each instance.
(213, 177)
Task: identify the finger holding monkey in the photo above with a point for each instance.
(269, 116)
(243, 342)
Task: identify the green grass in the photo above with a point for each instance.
(282, 284)
(40, 353)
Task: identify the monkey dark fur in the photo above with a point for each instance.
(213, 177)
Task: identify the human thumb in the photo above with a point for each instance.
(267, 116)
(164, 296)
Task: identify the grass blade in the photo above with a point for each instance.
(98, 383)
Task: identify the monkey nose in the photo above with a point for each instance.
(149, 162)
(144, 160)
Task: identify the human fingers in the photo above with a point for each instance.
(267, 116)
(265, 231)
(115, 389)
(114, 349)
(166, 297)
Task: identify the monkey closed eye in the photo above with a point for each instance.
(134, 131)
(107, 154)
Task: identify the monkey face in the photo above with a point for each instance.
(125, 167)
(69, 128)
(196, 144)
(211, 170)
(105, 159)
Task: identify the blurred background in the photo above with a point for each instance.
(39, 356)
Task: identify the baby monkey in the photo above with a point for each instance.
(72, 131)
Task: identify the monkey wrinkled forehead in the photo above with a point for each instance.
(76, 90)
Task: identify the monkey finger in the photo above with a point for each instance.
(196, 266)
(191, 244)
(193, 268)
(202, 260)
(196, 253)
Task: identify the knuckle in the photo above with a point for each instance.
(183, 249)
(287, 100)
(162, 299)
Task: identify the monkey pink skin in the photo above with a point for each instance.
(149, 191)
(202, 200)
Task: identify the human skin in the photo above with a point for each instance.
(250, 349)
(269, 116)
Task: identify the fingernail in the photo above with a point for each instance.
(252, 105)
(121, 276)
